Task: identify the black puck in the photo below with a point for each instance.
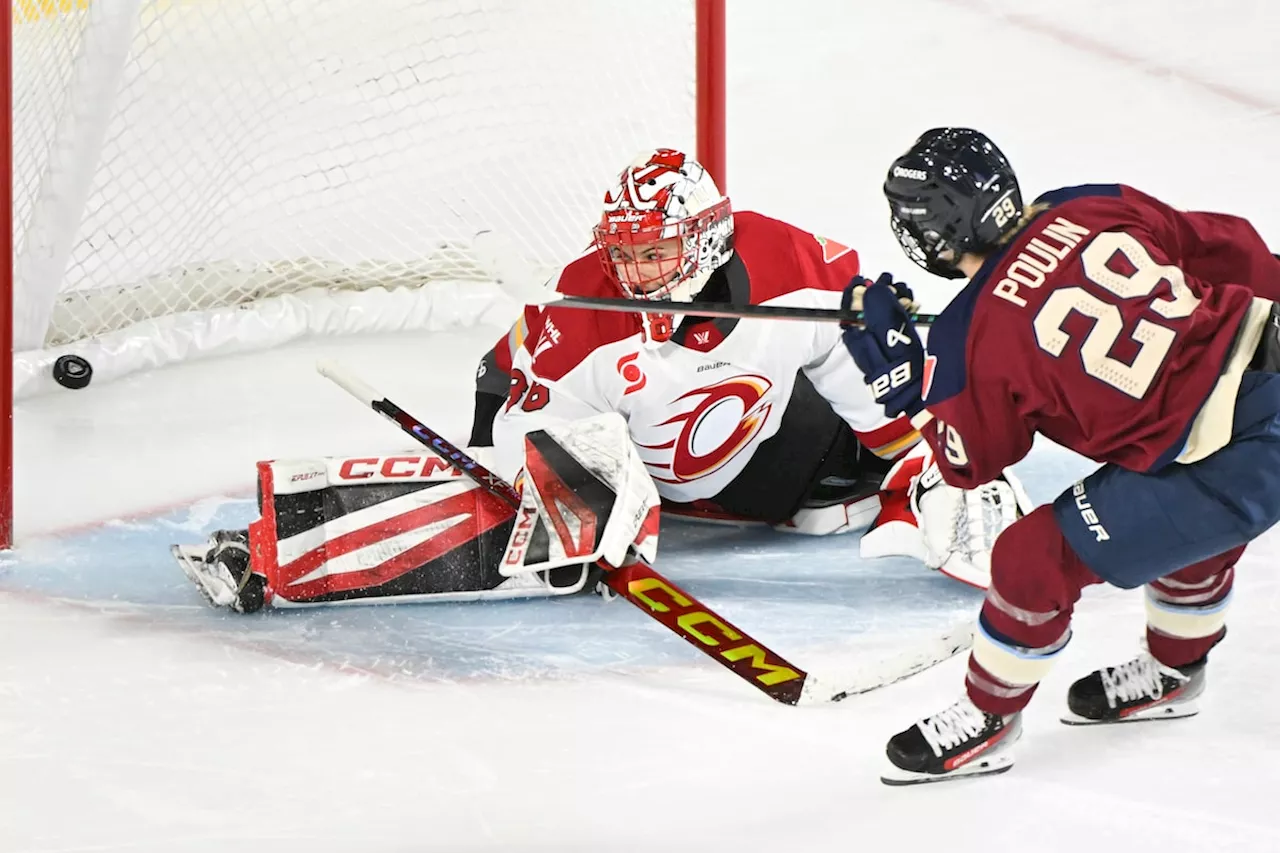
(72, 371)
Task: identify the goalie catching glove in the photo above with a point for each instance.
(410, 527)
(949, 529)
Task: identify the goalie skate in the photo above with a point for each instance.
(220, 570)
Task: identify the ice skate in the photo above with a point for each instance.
(1142, 689)
(220, 570)
(960, 741)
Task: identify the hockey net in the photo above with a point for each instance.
(204, 175)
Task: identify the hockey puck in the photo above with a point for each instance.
(72, 371)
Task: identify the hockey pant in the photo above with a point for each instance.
(1178, 532)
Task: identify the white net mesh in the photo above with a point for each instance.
(182, 155)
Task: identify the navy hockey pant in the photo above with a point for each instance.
(1148, 525)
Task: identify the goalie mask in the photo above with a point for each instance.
(665, 229)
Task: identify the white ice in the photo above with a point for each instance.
(134, 718)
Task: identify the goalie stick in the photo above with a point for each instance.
(638, 583)
(667, 603)
(513, 279)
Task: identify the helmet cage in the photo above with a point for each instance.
(921, 241)
(623, 238)
(663, 195)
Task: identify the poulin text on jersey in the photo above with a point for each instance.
(1040, 257)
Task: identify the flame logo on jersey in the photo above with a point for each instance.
(725, 418)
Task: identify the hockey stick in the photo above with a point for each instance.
(638, 583)
(500, 259)
(713, 309)
(902, 666)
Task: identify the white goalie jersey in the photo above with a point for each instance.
(699, 405)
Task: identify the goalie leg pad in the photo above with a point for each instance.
(853, 514)
(333, 530)
(962, 549)
(368, 530)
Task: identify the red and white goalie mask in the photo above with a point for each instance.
(665, 229)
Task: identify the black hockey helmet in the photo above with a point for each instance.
(952, 192)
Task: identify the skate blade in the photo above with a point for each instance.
(1159, 712)
(191, 559)
(990, 766)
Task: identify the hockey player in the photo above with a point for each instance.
(1138, 335)
(734, 418)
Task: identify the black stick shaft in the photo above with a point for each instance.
(722, 309)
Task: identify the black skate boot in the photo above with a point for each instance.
(1142, 689)
(960, 741)
(220, 570)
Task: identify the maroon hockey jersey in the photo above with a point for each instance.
(1112, 323)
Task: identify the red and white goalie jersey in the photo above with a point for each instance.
(703, 407)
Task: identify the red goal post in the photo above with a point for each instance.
(220, 175)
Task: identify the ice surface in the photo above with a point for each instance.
(133, 718)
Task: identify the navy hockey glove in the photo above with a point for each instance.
(857, 287)
(887, 350)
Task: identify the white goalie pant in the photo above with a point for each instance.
(949, 529)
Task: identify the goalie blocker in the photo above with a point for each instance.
(409, 527)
